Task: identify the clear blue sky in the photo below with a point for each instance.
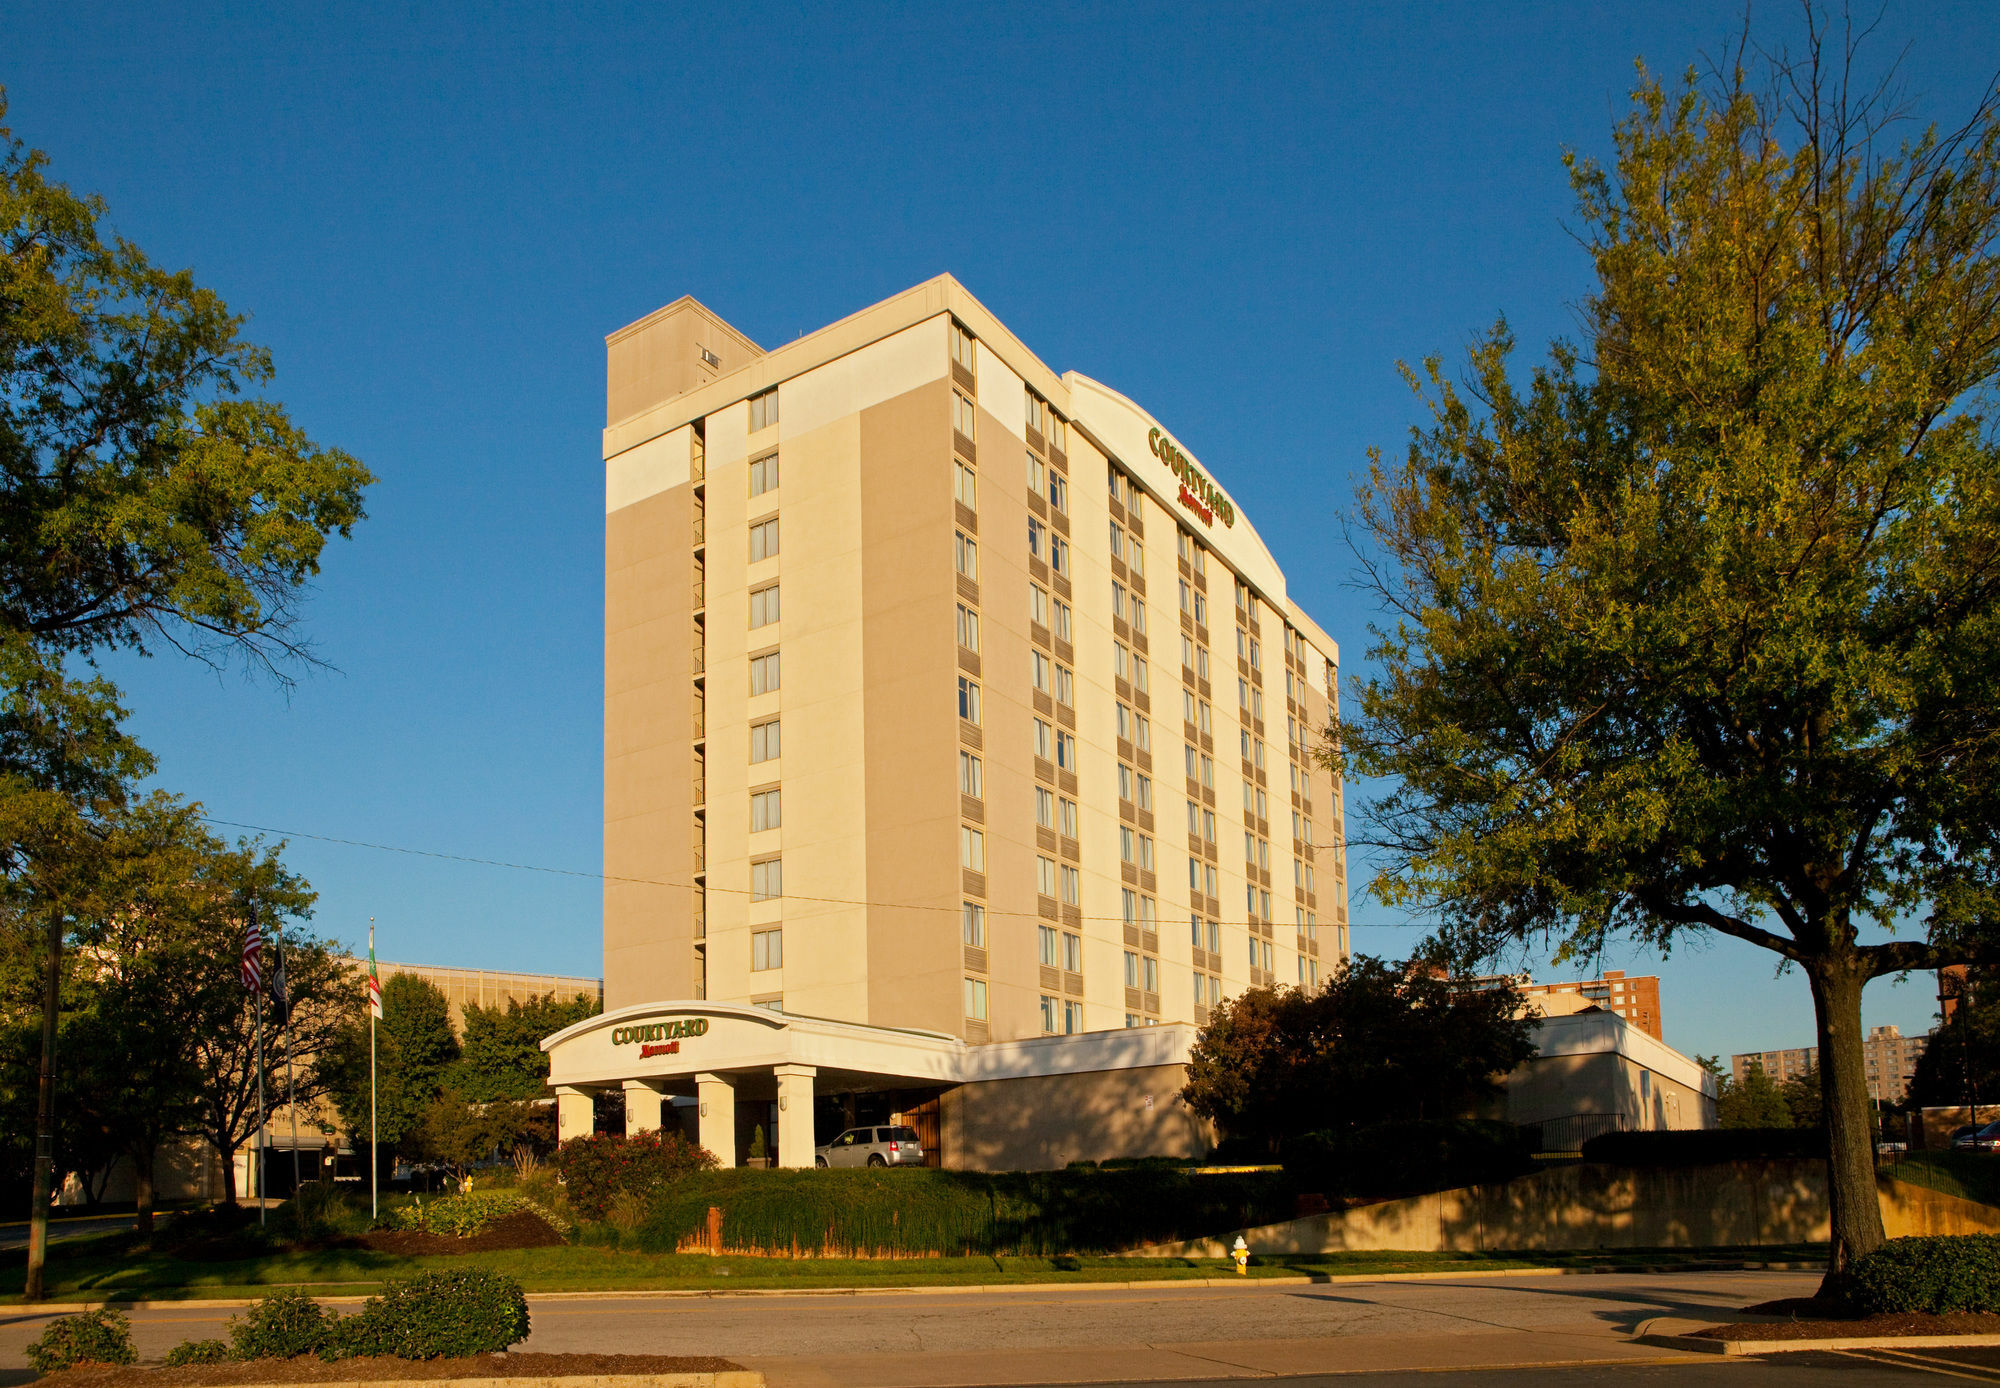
(1242, 216)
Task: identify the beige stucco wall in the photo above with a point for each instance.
(1735, 1204)
(1045, 1123)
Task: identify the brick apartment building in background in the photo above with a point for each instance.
(1637, 1000)
(1891, 1059)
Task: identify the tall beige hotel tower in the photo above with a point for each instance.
(959, 745)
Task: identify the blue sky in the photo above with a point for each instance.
(1241, 216)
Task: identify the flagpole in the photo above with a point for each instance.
(291, 1097)
(257, 1001)
(374, 1152)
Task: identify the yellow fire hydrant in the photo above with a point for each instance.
(1241, 1253)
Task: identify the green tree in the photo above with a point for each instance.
(458, 1132)
(1961, 1065)
(1695, 630)
(501, 1054)
(1377, 1042)
(1755, 1103)
(415, 1049)
(1803, 1100)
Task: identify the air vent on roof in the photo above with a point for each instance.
(709, 357)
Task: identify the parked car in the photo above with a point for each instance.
(1986, 1139)
(872, 1147)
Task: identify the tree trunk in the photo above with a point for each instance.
(142, 1193)
(1854, 1210)
(228, 1155)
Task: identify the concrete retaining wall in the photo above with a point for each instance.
(1733, 1204)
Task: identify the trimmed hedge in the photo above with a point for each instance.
(1701, 1146)
(597, 1169)
(197, 1352)
(90, 1337)
(434, 1315)
(922, 1212)
(1955, 1272)
(284, 1325)
(1408, 1158)
(464, 1215)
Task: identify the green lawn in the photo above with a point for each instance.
(108, 1268)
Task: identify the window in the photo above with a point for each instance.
(1201, 662)
(1038, 605)
(1139, 673)
(971, 849)
(1072, 886)
(1201, 609)
(1121, 660)
(770, 1005)
(1062, 620)
(1183, 543)
(968, 700)
(1038, 413)
(1194, 874)
(1128, 844)
(1059, 554)
(1254, 655)
(966, 488)
(1072, 952)
(1044, 738)
(1204, 721)
(1200, 562)
(1193, 759)
(1262, 804)
(1118, 601)
(1036, 472)
(767, 950)
(962, 349)
(1117, 540)
(968, 628)
(1145, 852)
(764, 607)
(1065, 686)
(1045, 807)
(763, 673)
(1037, 538)
(1066, 818)
(1194, 926)
(1145, 801)
(1050, 949)
(1194, 819)
(1058, 491)
(1039, 667)
(1058, 433)
(1066, 751)
(1072, 1018)
(970, 775)
(975, 999)
(1211, 882)
(973, 924)
(1256, 703)
(1187, 652)
(1208, 772)
(764, 811)
(764, 475)
(1249, 798)
(1045, 876)
(1152, 974)
(763, 410)
(764, 539)
(764, 741)
(1131, 969)
(1124, 726)
(965, 553)
(1208, 825)
(962, 415)
(1124, 782)
(1139, 616)
(1187, 706)
(1051, 1014)
(766, 880)
(1187, 594)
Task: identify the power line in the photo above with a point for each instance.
(692, 886)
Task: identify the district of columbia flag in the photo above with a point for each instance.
(374, 986)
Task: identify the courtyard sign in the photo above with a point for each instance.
(659, 1038)
(1198, 494)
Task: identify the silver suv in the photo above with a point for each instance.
(872, 1147)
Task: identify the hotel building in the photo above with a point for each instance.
(953, 710)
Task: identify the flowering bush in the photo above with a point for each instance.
(597, 1169)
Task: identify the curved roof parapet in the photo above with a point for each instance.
(1172, 475)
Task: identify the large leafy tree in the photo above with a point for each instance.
(415, 1055)
(501, 1054)
(1695, 627)
(1377, 1042)
(148, 498)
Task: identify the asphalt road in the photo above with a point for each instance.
(1049, 1335)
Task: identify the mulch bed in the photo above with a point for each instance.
(518, 1230)
(1812, 1319)
(311, 1370)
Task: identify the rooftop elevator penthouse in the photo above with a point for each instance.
(988, 759)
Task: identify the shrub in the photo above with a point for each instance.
(465, 1215)
(1407, 1158)
(1699, 1146)
(434, 1315)
(283, 1326)
(1952, 1272)
(197, 1352)
(90, 1337)
(598, 1168)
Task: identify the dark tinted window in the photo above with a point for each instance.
(899, 1134)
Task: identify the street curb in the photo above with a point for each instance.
(65, 1308)
(1702, 1344)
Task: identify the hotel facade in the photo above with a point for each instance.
(960, 746)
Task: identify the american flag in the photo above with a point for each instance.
(253, 956)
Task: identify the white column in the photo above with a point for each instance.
(642, 1107)
(717, 1098)
(795, 1114)
(576, 1113)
